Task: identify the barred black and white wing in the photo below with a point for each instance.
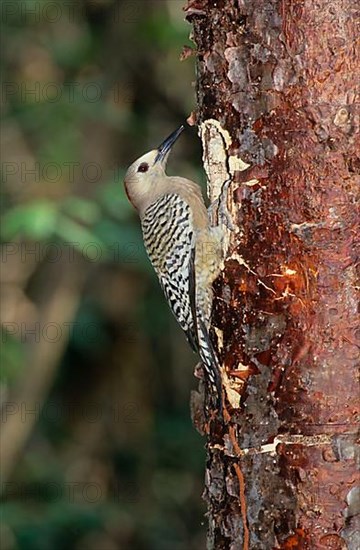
(168, 237)
(172, 251)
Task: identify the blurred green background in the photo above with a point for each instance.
(97, 447)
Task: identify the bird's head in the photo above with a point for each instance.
(146, 173)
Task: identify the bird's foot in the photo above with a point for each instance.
(218, 209)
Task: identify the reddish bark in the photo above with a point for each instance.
(281, 78)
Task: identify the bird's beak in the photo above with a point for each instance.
(167, 144)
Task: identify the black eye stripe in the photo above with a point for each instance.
(144, 167)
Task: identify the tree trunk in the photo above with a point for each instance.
(276, 87)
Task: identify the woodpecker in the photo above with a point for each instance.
(182, 247)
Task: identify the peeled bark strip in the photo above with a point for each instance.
(278, 112)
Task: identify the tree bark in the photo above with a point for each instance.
(278, 117)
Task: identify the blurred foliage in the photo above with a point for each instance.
(112, 460)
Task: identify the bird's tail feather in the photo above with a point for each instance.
(210, 361)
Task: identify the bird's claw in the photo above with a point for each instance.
(218, 209)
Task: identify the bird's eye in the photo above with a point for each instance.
(144, 167)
